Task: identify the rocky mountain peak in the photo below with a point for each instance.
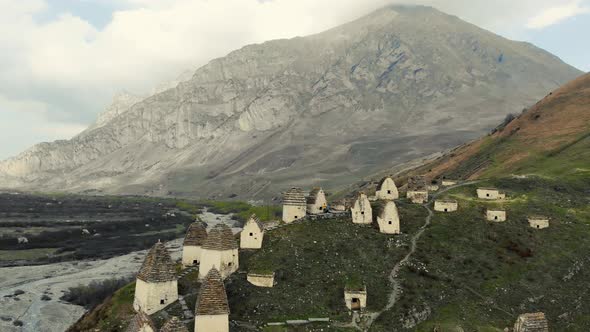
(398, 84)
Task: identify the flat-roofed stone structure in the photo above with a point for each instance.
(196, 235)
(141, 322)
(261, 279)
(294, 205)
(355, 298)
(220, 252)
(417, 196)
(156, 285)
(174, 325)
(252, 234)
(316, 201)
(340, 205)
(448, 183)
(531, 322)
(432, 187)
(361, 210)
(538, 222)
(490, 193)
(212, 309)
(497, 215)
(446, 205)
(387, 217)
(386, 189)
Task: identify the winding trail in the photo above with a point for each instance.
(396, 288)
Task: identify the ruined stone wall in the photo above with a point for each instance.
(190, 254)
(361, 210)
(292, 213)
(148, 296)
(261, 280)
(212, 323)
(417, 196)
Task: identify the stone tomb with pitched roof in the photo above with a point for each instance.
(316, 201)
(156, 286)
(361, 210)
(294, 205)
(252, 234)
(212, 309)
(386, 189)
(141, 322)
(387, 216)
(193, 241)
(174, 325)
(220, 251)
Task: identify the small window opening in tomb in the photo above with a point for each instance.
(389, 191)
(487, 195)
(295, 217)
(446, 210)
(251, 234)
(537, 226)
(162, 301)
(496, 217)
(195, 261)
(390, 222)
(229, 264)
(362, 212)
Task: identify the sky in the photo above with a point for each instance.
(61, 61)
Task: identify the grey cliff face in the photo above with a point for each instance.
(327, 109)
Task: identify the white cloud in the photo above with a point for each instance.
(24, 123)
(554, 15)
(73, 68)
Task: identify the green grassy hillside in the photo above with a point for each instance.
(479, 276)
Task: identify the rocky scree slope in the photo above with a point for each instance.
(395, 85)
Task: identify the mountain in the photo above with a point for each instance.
(551, 139)
(398, 84)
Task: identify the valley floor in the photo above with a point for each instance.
(39, 307)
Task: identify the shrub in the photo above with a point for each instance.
(93, 294)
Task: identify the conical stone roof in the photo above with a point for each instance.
(532, 322)
(174, 325)
(220, 238)
(380, 184)
(195, 235)
(313, 195)
(212, 299)
(139, 321)
(254, 219)
(294, 196)
(157, 266)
